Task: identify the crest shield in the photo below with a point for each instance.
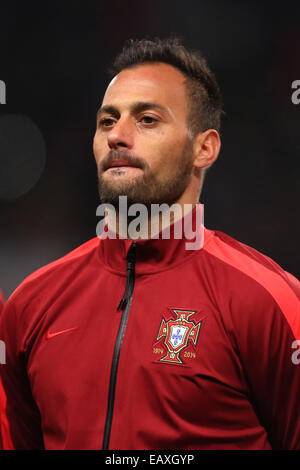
(177, 334)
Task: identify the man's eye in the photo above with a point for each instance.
(148, 120)
(106, 122)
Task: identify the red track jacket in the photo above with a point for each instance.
(1, 302)
(200, 353)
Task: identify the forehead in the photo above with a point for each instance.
(157, 82)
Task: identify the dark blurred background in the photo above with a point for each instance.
(53, 60)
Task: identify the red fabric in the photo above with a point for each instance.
(236, 386)
(6, 440)
(1, 301)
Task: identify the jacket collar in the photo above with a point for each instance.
(157, 254)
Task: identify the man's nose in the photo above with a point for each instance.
(121, 135)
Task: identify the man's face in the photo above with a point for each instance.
(142, 144)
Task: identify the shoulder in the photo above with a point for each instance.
(56, 271)
(47, 287)
(253, 281)
(247, 261)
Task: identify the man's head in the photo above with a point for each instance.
(160, 114)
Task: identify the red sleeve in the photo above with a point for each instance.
(20, 419)
(264, 318)
(265, 337)
(1, 302)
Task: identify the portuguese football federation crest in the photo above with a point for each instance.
(177, 334)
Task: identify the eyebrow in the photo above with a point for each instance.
(137, 107)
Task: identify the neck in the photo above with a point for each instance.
(143, 223)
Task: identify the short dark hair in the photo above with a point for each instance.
(203, 90)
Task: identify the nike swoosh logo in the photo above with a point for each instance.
(52, 335)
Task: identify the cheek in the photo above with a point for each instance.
(98, 147)
(168, 149)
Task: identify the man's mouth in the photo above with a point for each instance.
(120, 163)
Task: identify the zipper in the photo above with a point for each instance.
(124, 305)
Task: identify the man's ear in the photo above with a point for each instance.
(206, 148)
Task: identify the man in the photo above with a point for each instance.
(197, 352)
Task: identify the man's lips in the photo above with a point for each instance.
(119, 163)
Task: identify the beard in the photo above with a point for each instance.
(146, 188)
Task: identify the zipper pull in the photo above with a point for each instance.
(130, 270)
